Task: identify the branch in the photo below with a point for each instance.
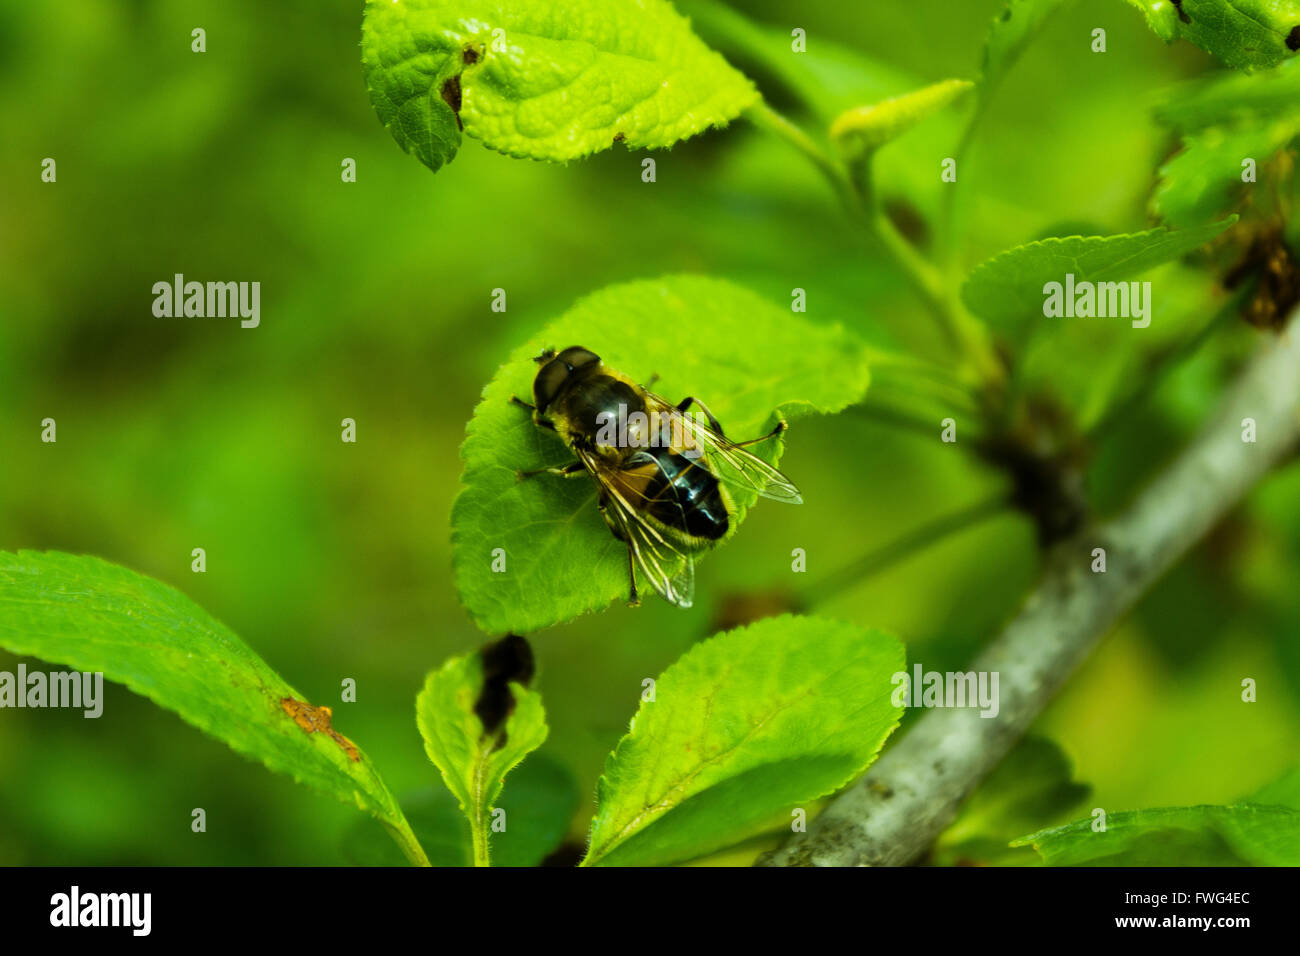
(893, 815)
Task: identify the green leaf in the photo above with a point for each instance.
(829, 77)
(749, 359)
(1204, 180)
(539, 801)
(1229, 119)
(532, 81)
(1284, 792)
(1031, 788)
(1233, 99)
(475, 751)
(744, 727)
(1244, 34)
(1008, 290)
(864, 129)
(98, 617)
(1161, 17)
(435, 818)
(1010, 33)
(1176, 836)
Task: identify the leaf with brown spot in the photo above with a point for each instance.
(95, 616)
(312, 719)
(540, 84)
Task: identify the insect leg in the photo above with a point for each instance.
(780, 427)
(516, 400)
(713, 422)
(571, 470)
(633, 600)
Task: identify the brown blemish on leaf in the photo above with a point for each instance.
(1293, 39)
(509, 659)
(312, 719)
(451, 96)
(619, 137)
(469, 55)
(1270, 260)
(1182, 14)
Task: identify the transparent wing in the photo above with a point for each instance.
(670, 570)
(737, 465)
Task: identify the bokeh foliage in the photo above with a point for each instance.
(333, 560)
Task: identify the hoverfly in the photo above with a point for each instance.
(662, 474)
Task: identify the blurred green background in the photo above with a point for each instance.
(332, 560)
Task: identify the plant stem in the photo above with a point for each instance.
(873, 562)
(406, 841)
(948, 205)
(963, 332)
(893, 815)
(477, 823)
(480, 844)
(769, 120)
(1154, 378)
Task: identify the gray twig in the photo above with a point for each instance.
(892, 816)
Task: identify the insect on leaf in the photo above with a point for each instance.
(745, 727)
(95, 616)
(531, 553)
(534, 80)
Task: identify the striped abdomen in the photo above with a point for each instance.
(678, 492)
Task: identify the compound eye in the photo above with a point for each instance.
(575, 356)
(550, 378)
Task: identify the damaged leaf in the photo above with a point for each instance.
(1244, 34)
(479, 720)
(95, 616)
(531, 83)
(312, 719)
